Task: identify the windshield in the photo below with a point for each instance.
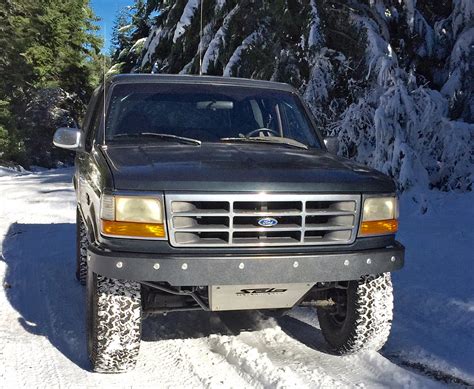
(207, 113)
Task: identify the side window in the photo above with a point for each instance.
(94, 123)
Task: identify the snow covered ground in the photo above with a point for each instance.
(434, 294)
(42, 337)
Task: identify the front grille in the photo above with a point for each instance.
(220, 220)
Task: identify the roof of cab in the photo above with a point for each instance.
(208, 80)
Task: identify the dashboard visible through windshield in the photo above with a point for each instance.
(207, 113)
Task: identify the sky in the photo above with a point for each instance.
(107, 10)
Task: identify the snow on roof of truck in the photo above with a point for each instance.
(208, 80)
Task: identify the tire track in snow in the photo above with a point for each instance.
(244, 349)
(222, 374)
(323, 369)
(181, 340)
(197, 365)
(305, 355)
(166, 365)
(254, 363)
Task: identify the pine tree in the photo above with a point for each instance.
(47, 68)
(131, 27)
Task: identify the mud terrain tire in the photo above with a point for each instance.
(81, 249)
(113, 323)
(368, 316)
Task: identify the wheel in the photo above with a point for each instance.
(362, 316)
(113, 323)
(81, 249)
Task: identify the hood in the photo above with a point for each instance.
(215, 167)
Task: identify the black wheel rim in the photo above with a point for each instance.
(338, 313)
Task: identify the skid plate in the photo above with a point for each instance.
(269, 296)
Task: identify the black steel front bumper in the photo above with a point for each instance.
(187, 270)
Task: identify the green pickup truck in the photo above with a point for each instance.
(215, 194)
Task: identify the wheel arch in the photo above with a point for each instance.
(89, 221)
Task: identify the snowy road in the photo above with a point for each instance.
(42, 333)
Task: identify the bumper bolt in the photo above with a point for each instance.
(393, 259)
(369, 261)
(184, 266)
(295, 264)
(156, 266)
(241, 265)
(119, 264)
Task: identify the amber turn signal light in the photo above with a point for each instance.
(133, 229)
(378, 227)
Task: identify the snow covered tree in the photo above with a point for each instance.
(129, 33)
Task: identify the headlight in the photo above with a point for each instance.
(132, 216)
(379, 216)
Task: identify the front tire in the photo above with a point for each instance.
(81, 249)
(113, 323)
(362, 317)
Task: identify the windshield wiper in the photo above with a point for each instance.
(168, 137)
(268, 139)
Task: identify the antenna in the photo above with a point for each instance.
(200, 42)
(103, 92)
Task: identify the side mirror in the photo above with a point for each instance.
(331, 144)
(68, 138)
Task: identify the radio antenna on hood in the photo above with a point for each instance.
(103, 89)
(200, 42)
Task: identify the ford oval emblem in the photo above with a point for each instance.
(267, 222)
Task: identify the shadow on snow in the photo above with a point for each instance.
(41, 286)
